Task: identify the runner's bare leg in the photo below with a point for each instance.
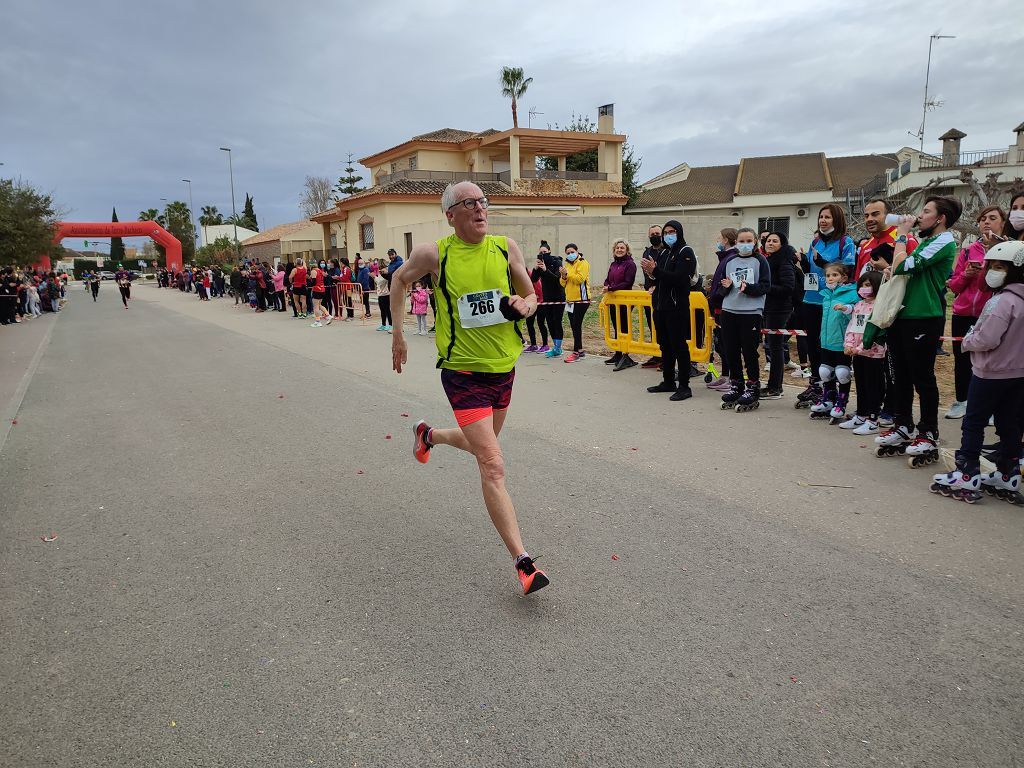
(480, 438)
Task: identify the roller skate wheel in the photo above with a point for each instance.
(726, 406)
(708, 378)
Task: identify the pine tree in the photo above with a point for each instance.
(116, 246)
(249, 215)
(349, 183)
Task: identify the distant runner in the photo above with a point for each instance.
(124, 284)
(477, 278)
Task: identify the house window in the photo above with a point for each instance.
(412, 162)
(366, 236)
(394, 167)
(774, 224)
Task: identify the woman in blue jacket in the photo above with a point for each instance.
(830, 245)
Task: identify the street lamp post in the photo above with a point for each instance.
(191, 211)
(234, 214)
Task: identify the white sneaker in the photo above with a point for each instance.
(316, 324)
(800, 373)
(852, 423)
(793, 365)
(957, 410)
(768, 366)
(867, 428)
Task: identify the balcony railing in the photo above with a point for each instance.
(565, 175)
(967, 159)
(438, 176)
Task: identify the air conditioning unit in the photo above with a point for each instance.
(801, 213)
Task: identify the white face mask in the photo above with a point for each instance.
(827, 230)
(995, 279)
(1017, 220)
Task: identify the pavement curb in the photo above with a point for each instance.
(14, 405)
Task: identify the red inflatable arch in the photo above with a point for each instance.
(122, 229)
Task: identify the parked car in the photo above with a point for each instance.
(104, 275)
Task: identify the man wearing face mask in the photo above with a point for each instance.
(674, 279)
(655, 253)
(913, 337)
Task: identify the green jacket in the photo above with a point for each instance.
(929, 266)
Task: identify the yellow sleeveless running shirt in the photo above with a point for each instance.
(471, 333)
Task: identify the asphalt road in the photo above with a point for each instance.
(227, 589)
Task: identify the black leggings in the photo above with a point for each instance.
(961, 359)
(811, 322)
(741, 337)
(384, 302)
(531, 328)
(126, 293)
(552, 315)
(579, 311)
(869, 375)
(366, 303)
(1002, 399)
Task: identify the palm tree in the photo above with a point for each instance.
(152, 214)
(210, 216)
(513, 86)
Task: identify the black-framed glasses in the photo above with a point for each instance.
(472, 203)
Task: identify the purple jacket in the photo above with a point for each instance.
(715, 300)
(996, 342)
(621, 274)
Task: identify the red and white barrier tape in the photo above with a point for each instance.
(796, 332)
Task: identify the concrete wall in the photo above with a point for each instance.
(593, 235)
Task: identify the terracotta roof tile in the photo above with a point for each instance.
(703, 186)
(493, 189)
(782, 173)
(855, 171)
(451, 135)
(278, 232)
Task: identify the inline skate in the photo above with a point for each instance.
(838, 413)
(1004, 485)
(923, 450)
(823, 408)
(809, 396)
(733, 394)
(893, 442)
(750, 399)
(962, 484)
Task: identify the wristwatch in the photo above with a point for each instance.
(901, 239)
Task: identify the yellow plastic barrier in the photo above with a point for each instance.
(634, 306)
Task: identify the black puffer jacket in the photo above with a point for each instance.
(674, 273)
(780, 294)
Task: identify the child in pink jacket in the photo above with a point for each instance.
(420, 302)
(868, 364)
(968, 283)
(996, 344)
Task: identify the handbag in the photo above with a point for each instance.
(889, 301)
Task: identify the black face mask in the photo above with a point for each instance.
(655, 240)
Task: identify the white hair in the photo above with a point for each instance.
(448, 196)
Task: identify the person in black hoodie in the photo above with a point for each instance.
(673, 278)
(547, 271)
(655, 253)
(778, 306)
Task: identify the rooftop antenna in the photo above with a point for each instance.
(530, 115)
(929, 104)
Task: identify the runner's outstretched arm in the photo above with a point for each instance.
(422, 260)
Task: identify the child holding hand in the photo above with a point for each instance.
(868, 364)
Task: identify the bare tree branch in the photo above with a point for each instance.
(316, 195)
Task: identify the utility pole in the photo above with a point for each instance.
(234, 213)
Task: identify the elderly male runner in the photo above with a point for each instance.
(481, 288)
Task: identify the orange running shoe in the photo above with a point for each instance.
(531, 577)
(420, 446)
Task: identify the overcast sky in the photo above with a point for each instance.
(113, 103)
